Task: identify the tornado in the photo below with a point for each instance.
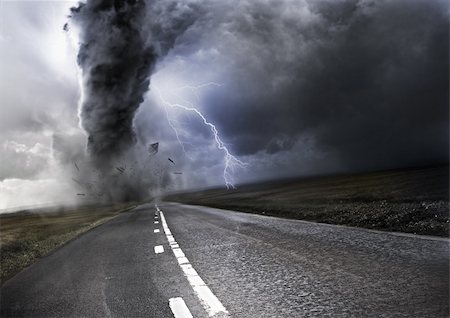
(116, 59)
(120, 41)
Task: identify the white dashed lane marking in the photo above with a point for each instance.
(179, 308)
(156, 231)
(210, 302)
(159, 249)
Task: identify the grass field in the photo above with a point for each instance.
(408, 200)
(25, 236)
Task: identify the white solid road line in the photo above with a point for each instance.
(179, 308)
(159, 249)
(210, 302)
(156, 231)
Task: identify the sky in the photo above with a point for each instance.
(291, 88)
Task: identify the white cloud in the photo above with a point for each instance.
(16, 193)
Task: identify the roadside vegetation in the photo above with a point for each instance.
(407, 200)
(27, 235)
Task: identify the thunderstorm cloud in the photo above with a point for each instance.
(366, 82)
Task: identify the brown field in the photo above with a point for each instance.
(25, 236)
(412, 200)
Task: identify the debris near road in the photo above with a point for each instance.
(121, 169)
(171, 160)
(77, 182)
(88, 186)
(153, 148)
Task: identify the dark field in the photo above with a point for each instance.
(408, 200)
(26, 236)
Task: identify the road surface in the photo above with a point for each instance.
(207, 262)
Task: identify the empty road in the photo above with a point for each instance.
(171, 260)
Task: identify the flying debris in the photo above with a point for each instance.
(78, 182)
(92, 188)
(89, 186)
(76, 166)
(178, 173)
(171, 160)
(66, 27)
(153, 148)
(121, 169)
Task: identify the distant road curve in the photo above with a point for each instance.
(145, 263)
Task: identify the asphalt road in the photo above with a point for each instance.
(231, 264)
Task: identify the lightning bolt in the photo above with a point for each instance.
(230, 161)
(173, 126)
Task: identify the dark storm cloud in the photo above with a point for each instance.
(120, 42)
(368, 80)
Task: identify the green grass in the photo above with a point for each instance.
(407, 200)
(27, 236)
